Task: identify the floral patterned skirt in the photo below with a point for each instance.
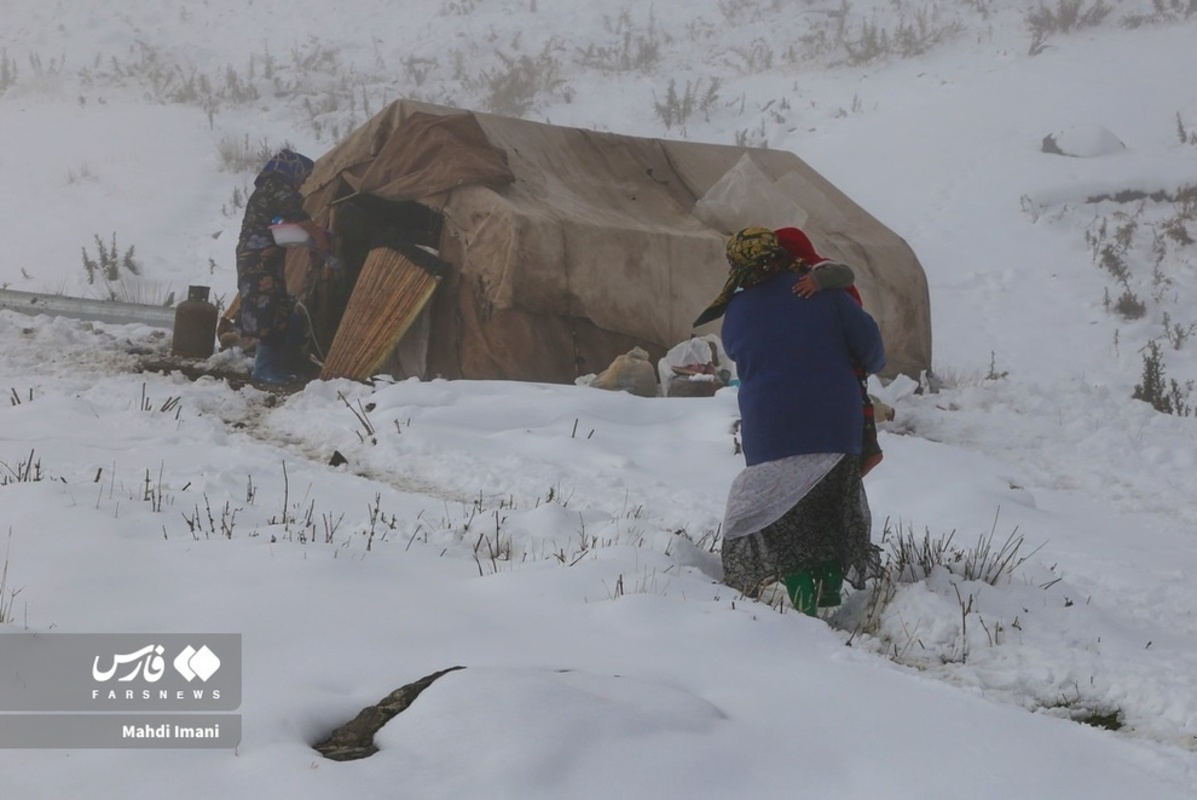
(265, 304)
(831, 522)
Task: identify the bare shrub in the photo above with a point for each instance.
(756, 57)
(1129, 306)
(417, 69)
(872, 43)
(1113, 262)
(912, 559)
(909, 559)
(242, 155)
(512, 88)
(635, 50)
(1176, 333)
(1067, 16)
(1186, 136)
(7, 595)
(911, 38)
(1162, 12)
(1166, 396)
(236, 201)
(81, 174)
(315, 56)
(677, 107)
(135, 289)
(8, 71)
(460, 8)
(108, 262)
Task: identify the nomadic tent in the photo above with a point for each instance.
(552, 249)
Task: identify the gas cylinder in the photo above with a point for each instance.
(195, 325)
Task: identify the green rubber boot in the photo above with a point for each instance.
(802, 591)
(829, 583)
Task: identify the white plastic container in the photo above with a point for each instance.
(290, 234)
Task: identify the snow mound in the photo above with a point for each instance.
(1090, 141)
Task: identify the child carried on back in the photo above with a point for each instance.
(820, 273)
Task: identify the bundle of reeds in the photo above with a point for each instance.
(390, 293)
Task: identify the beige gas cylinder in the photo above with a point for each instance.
(195, 325)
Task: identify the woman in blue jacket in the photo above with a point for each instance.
(797, 513)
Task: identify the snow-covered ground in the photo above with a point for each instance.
(560, 542)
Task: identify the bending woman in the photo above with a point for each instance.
(266, 311)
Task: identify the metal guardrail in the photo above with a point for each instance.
(84, 308)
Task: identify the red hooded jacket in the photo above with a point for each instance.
(798, 245)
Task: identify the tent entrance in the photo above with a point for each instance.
(362, 223)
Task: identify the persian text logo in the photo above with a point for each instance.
(192, 663)
(150, 665)
(146, 662)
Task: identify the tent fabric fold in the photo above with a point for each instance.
(428, 154)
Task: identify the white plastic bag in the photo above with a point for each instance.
(697, 351)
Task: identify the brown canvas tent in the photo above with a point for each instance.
(560, 248)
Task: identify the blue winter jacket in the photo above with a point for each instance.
(796, 359)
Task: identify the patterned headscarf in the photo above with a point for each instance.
(291, 165)
(753, 255)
